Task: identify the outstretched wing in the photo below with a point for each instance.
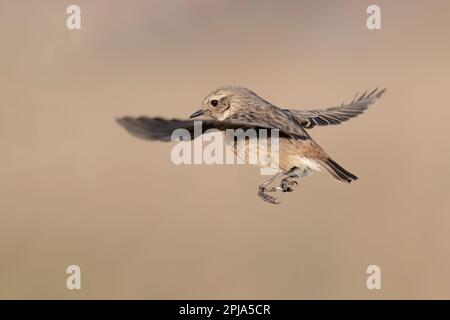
(336, 115)
(161, 129)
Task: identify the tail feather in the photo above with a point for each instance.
(338, 172)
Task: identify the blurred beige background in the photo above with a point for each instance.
(75, 188)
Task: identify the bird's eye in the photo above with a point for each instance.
(214, 103)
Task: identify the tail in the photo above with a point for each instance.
(337, 171)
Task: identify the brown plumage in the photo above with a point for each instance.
(239, 108)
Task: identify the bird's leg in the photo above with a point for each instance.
(264, 188)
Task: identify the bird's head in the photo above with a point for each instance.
(223, 102)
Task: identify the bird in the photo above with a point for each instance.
(233, 107)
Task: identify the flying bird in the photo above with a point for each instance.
(234, 107)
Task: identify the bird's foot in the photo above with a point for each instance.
(288, 185)
(262, 193)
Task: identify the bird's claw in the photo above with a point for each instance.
(288, 185)
(262, 193)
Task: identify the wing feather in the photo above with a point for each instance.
(336, 115)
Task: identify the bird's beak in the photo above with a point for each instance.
(197, 113)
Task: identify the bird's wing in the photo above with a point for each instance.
(336, 115)
(161, 129)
